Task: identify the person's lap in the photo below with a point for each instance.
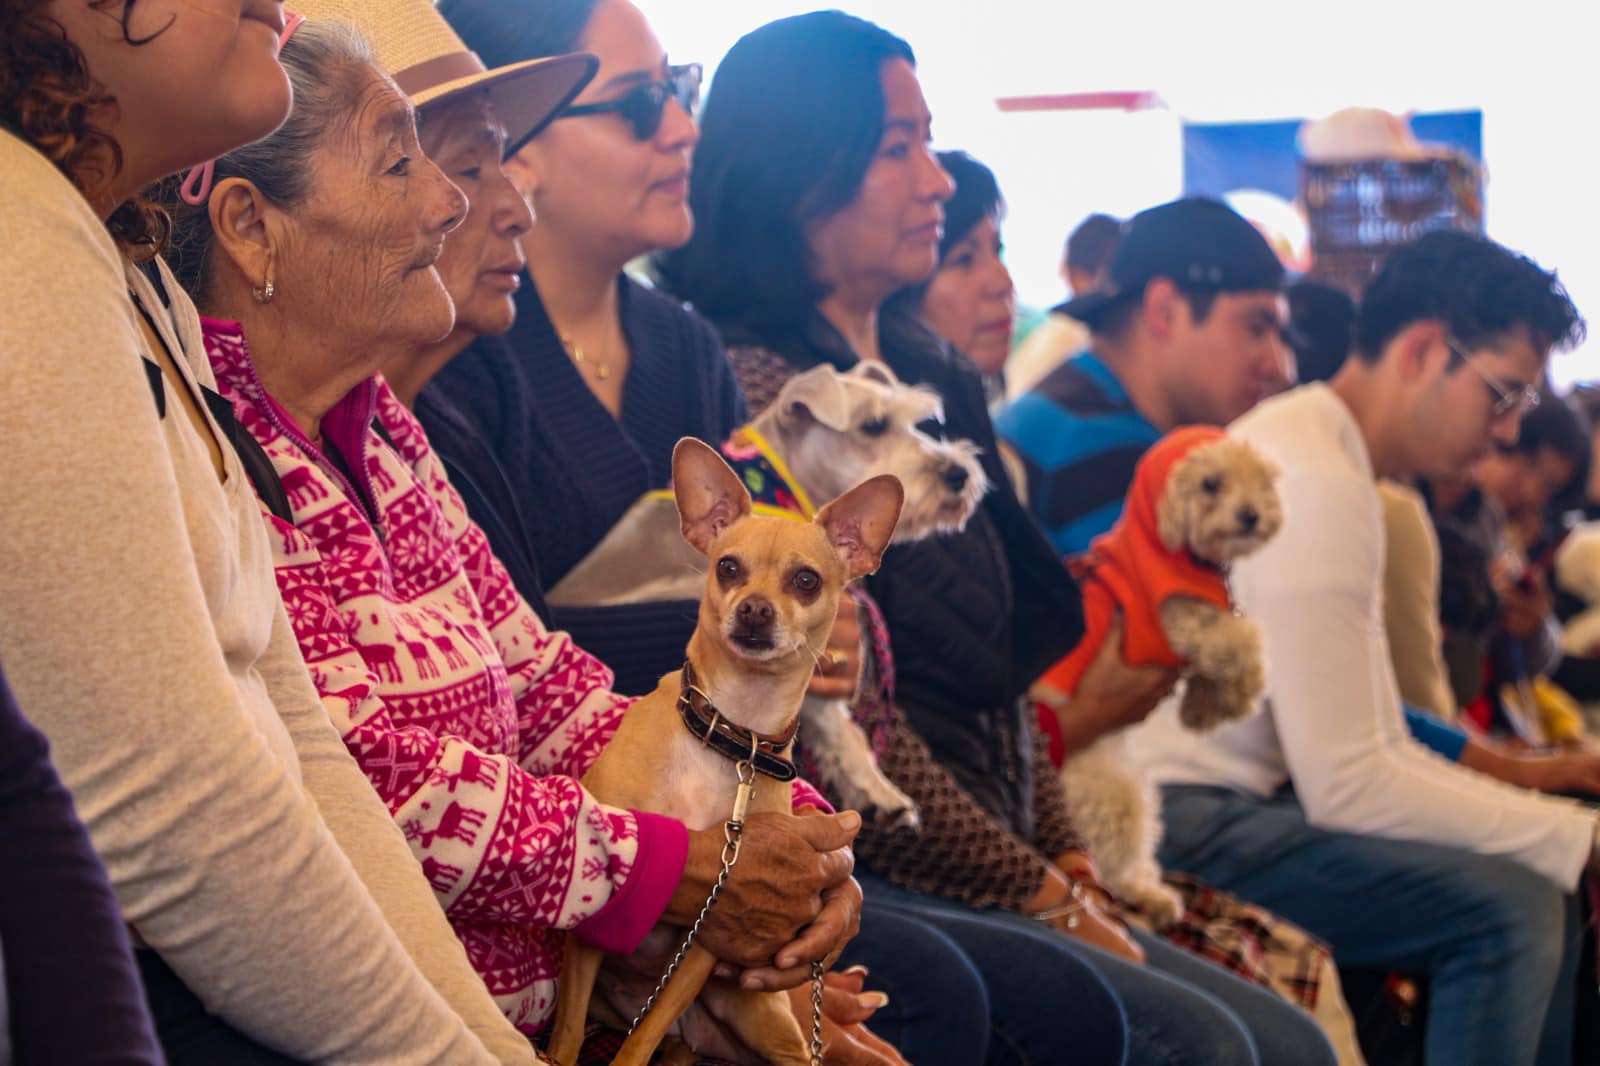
(1179, 1008)
(938, 1009)
(1489, 932)
(1046, 1005)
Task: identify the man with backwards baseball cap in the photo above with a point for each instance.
(1187, 328)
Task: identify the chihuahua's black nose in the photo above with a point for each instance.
(955, 475)
(1249, 519)
(755, 612)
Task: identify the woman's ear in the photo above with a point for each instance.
(244, 225)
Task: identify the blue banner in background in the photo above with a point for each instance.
(1255, 168)
(1220, 158)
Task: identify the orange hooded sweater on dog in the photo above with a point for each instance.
(1129, 569)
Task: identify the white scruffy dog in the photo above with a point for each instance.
(1218, 503)
(831, 430)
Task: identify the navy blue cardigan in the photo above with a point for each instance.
(571, 467)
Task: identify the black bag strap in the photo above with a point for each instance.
(252, 456)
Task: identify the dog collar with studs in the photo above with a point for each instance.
(736, 742)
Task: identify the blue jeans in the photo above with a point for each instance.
(1046, 1007)
(1497, 942)
(1179, 1010)
(938, 1009)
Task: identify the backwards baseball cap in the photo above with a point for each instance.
(1200, 245)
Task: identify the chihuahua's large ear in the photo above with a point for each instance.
(710, 495)
(1172, 509)
(860, 523)
(815, 395)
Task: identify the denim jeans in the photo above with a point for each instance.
(1178, 1009)
(938, 1009)
(1046, 1006)
(1497, 942)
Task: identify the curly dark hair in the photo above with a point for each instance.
(1477, 288)
(47, 97)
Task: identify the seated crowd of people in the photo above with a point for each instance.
(351, 294)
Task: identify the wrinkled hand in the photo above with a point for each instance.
(846, 1040)
(1123, 695)
(839, 666)
(825, 938)
(789, 900)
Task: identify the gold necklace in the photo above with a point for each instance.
(601, 370)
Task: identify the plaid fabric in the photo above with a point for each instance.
(1248, 940)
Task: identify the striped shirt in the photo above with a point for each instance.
(1079, 439)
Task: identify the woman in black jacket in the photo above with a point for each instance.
(817, 197)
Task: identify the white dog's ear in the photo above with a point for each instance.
(1172, 510)
(873, 370)
(816, 395)
(860, 523)
(710, 495)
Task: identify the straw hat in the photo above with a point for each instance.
(418, 49)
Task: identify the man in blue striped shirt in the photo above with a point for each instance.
(1188, 328)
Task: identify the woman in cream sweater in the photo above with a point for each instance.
(138, 611)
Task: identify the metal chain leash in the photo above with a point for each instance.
(732, 833)
(816, 1013)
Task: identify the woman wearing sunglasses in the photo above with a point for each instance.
(582, 401)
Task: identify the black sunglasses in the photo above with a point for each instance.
(643, 105)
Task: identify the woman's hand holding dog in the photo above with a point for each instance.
(839, 665)
(1088, 921)
(789, 901)
(1111, 695)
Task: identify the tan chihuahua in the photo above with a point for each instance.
(770, 596)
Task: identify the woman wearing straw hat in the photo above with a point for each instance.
(139, 617)
(317, 252)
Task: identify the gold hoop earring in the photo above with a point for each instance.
(265, 293)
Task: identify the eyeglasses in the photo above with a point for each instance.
(643, 105)
(1507, 397)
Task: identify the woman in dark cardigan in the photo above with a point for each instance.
(817, 197)
(600, 376)
(552, 430)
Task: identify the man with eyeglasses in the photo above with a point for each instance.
(1322, 807)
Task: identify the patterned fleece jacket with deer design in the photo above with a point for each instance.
(469, 718)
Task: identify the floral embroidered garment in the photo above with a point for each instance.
(470, 719)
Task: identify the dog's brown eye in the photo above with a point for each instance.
(875, 427)
(1211, 485)
(727, 568)
(807, 581)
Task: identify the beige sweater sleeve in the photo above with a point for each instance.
(1411, 601)
(219, 860)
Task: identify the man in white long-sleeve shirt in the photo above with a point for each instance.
(1323, 807)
